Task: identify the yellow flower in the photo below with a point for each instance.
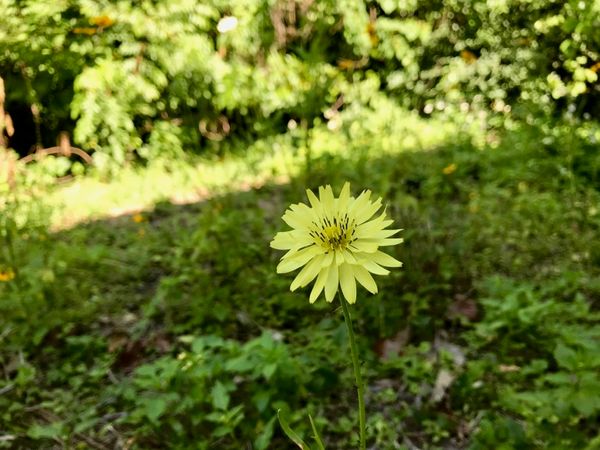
(102, 21)
(7, 275)
(138, 218)
(85, 30)
(468, 57)
(337, 241)
(449, 169)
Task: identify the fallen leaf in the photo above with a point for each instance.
(117, 341)
(462, 306)
(388, 348)
(508, 368)
(442, 383)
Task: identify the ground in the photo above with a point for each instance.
(151, 311)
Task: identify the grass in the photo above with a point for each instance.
(152, 312)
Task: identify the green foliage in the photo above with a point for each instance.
(215, 391)
(125, 76)
(172, 324)
(550, 341)
(471, 119)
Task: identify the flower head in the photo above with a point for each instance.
(7, 275)
(448, 170)
(227, 24)
(337, 241)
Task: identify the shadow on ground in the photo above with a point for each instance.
(105, 298)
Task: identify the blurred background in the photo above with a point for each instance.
(149, 148)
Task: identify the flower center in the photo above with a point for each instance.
(333, 234)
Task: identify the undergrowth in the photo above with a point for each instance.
(167, 325)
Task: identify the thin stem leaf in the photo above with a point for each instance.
(291, 433)
(316, 433)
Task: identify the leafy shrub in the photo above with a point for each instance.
(549, 336)
(129, 74)
(218, 391)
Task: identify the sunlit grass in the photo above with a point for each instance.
(373, 134)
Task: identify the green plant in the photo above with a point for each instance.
(204, 391)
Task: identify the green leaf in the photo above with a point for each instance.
(291, 433)
(261, 400)
(240, 364)
(220, 396)
(560, 378)
(565, 357)
(586, 403)
(50, 431)
(221, 431)
(264, 438)
(85, 425)
(269, 370)
(154, 408)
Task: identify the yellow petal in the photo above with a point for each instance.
(302, 208)
(364, 214)
(383, 259)
(359, 203)
(299, 259)
(362, 245)
(295, 220)
(348, 283)
(382, 234)
(307, 274)
(328, 260)
(392, 241)
(373, 267)
(303, 254)
(327, 199)
(305, 213)
(373, 226)
(314, 201)
(286, 240)
(331, 285)
(349, 257)
(290, 253)
(381, 242)
(342, 202)
(364, 277)
(319, 284)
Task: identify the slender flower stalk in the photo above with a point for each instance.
(360, 386)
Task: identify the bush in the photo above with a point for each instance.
(124, 76)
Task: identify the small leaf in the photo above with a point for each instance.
(154, 408)
(264, 438)
(585, 403)
(240, 364)
(85, 425)
(221, 431)
(50, 431)
(220, 396)
(261, 400)
(565, 357)
(291, 433)
(269, 370)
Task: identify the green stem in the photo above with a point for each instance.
(360, 387)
